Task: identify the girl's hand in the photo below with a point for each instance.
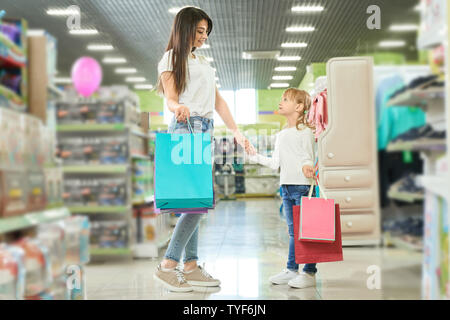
(182, 113)
(308, 171)
(243, 141)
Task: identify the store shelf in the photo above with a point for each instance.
(438, 145)
(398, 242)
(139, 156)
(15, 55)
(255, 195)
(84, 127)
(98, 209)
(92, 169)
(439, 185)
(405, 196)
(10, 95)
(140, 201)
(53, 90)
(417, 97)
(32, 219)
(109, 251)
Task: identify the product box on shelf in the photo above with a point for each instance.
(12, 273)
(52, 236)
(13, 54)
(95, 192)
(54, 186)
(72, 235)
(137, 145)
(12, 139)
(36, 191)
(142, 178)
(34, 141)
(93, 150)
(103, 112)
(37, 265)
(109, 234)
(74, 112)
(13, 193)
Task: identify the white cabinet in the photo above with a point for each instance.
(347, 150)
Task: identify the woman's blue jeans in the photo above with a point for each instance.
(185, 234)
(291, 195)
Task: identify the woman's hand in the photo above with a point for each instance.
(243, 141)
(308, 171)
(182, 113)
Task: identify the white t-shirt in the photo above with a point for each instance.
(200, 93)
(293, 149)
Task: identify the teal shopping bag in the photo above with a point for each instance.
(183, 171)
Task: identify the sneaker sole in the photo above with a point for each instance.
(170, 287)
(279, 282)
(303, 287)
(204, 284)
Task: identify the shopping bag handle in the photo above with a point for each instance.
(311, 188)
(189, 126)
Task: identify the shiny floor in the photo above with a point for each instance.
(243, 243)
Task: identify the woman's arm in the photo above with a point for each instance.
(181, 112)
(224, 112)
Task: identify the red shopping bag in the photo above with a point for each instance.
(315, 252)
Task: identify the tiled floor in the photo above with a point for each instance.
(243, 243)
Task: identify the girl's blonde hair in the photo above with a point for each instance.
(301, 97)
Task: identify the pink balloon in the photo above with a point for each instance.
(86, 75)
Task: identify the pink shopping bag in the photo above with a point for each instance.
(317, 218)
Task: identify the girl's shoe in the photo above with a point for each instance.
(303, 280)
(173, 280)
(199, 277)
(283, 277)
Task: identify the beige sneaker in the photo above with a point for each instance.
(173, 280)
(199, 277)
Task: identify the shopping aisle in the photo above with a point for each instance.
(243, 243)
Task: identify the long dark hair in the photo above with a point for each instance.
(182, 36)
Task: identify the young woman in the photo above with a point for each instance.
(187, 82)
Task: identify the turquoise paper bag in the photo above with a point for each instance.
(183, 171)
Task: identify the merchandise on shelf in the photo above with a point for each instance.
(54, 186)
(52, 236)
(13, 61)
(109, 234)
(37, 265)
(115, 104)
(142, 178)
(12, 273)
(34, 142)
(13, 193)
(262, 185)
(12, 139)
(93, 150)
(36, 191)
(95, 192)
(137, 145)
(72, 235)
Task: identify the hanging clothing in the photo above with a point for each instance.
(318, 114)
(393, 121)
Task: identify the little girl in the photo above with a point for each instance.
(294, 154)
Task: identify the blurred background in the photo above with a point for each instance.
(77, 163)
